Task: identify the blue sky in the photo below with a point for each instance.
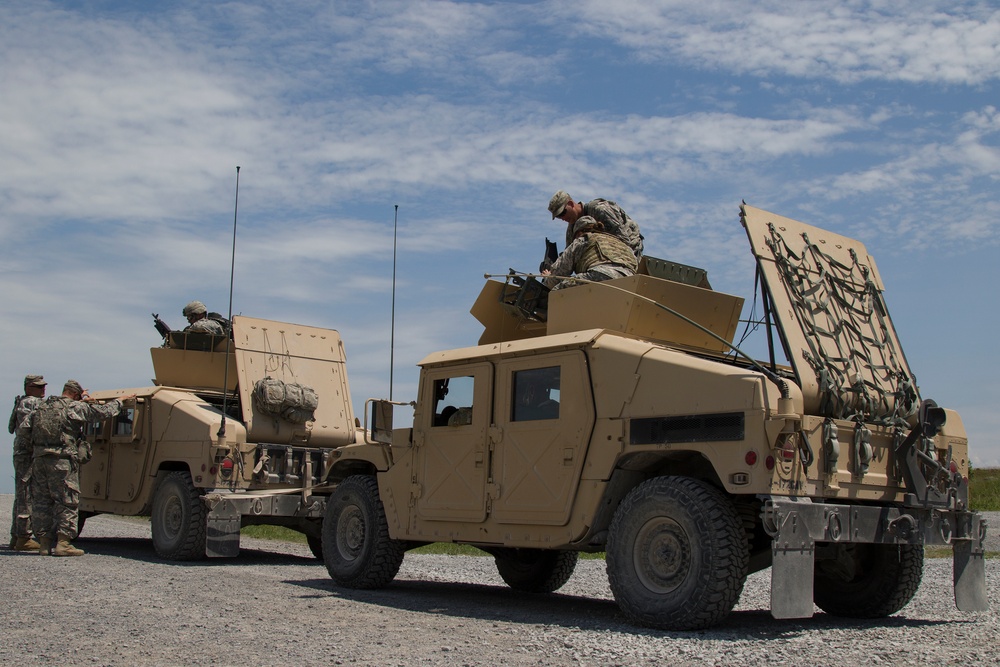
(122, 123)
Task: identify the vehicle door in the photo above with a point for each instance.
(451, 447)
(544, 414)
(129, 451)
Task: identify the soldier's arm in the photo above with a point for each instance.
(94, 411)
(563, 266)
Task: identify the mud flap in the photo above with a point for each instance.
(222, 539)
(793, 554)
(970, 578)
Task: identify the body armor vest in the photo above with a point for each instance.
(605, 249)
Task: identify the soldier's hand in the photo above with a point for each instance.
(130, 397)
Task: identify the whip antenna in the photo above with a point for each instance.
(229, 329)
(392, 319)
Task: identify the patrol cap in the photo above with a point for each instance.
(34, 381)
(73, 386)
(558, 203)
(194, 308)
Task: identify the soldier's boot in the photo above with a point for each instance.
(64, 548)
(25, 544)
(44, 546)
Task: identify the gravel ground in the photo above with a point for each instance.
(274, 604)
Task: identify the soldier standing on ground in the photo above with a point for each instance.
(20, 525)
(56, 430)
(615, 220)
(593, 255)
(198, 320)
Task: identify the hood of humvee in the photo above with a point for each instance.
(826, 300)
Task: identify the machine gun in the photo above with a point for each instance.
(162, 327)
(551, 254)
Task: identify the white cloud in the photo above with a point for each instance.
(857, 40)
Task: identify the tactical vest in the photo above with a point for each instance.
(605, 249)
(52, 433)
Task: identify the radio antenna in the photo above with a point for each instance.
(392, 319)
(229, 329)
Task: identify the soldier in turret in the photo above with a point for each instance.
(593, 255)
(56, 428)
(20, 526)
(614, 218)
(199, 321)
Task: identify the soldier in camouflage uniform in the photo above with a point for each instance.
(20, 525)
(592, 255)
(615, 220)
(198, 320)
(56, 431)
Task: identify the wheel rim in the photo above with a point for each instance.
(173, 517)
(350, 532)
(662, 555)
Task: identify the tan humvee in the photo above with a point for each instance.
(164, 456)
(616, 417)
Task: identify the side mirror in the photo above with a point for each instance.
(382, 422)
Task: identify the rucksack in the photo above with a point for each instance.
(290, 401)
(48, 421)
(226, 324)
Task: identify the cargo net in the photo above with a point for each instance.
(858, 364)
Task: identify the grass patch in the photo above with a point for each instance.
(984, 489)
(279, 533)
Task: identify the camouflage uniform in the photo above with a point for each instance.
(20, 526)
(616, 222)
(55, 468)
(592, 256)
(205, 325)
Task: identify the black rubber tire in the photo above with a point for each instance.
(81, 519)
(535, 570)
(315, 546)
(869, 581)
(178, 519)
(357, 550)
(677, 554)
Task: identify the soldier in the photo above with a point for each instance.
(593, 255)
(615, 220)
(56, 431)
(20, 526)
(198, 320)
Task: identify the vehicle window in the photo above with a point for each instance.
(535, 394)
(124, 421)
(453, 401)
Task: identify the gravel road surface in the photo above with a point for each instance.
(275, 605)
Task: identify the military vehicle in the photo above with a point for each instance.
(619, 417)
(230, 434)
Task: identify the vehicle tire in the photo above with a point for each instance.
(315, 546)
(357, 550)
(178, 518)
(868, 580)
(535, 570)
(81, 518)
(677, 554)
